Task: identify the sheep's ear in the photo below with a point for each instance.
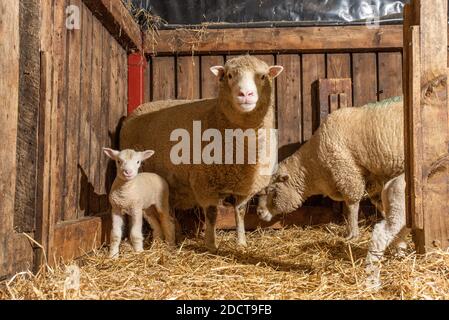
(283, 178)
(218, 71)
(147, 154)
(113, 154)
(275, 71)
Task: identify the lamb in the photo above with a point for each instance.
(133, 193)
(356, 151)
(245, 102)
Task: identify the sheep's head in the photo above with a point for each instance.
(128, 162)
(276, 199)
(245, 80)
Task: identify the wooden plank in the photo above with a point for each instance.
(365, 78)
(434, 115)
(73, 121)
(305, 216)
(44, 156)
(25, 195)
(338, 65)
(209, 82)
(9, 95)
(289, 105)
(104, 118)
(333, 94)
(280, 39)
(390, 74)
(188, 78)
(76, 238)
(163, 78)
(95, 117)
(84, 129)
(313, 68)
(147, 96)
(59, 110)
(116, 18)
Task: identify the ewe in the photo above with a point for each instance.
(133, 193)
(357, 151)
(245, 102)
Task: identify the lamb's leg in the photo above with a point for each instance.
(211, 221)
(388, 230)
(240, 212)
(136, 230)
(155, 225)
(116, 234)
(353, 220)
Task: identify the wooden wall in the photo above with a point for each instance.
(87, 98)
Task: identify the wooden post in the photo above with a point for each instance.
(426, 126)
(137, 64)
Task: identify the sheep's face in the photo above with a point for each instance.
(245, 78)
(128, 162)
(275, 200)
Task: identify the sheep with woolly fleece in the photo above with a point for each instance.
(245, 102)
(139, 195)
(356, 152)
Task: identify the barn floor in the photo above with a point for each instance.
(294, 263)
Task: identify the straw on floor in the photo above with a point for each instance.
(293, 263)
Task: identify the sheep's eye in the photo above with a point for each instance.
(230, 76)
(138, 162)
(263, 77)
(119, 161)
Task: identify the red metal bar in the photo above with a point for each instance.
(137, 65)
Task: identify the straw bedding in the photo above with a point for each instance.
(293, 263)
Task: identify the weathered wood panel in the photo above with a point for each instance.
(163, 78)
(313, 69)
(390, 74)
(25, 197)
(338, 65)
(365, 78)
(289, 117)
(276, 40)
(73, 121)
(188, 77)
(209, 83)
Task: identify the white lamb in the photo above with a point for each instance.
(134, 194)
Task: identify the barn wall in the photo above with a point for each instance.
(90, 87)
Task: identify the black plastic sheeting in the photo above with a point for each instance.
(274, 12)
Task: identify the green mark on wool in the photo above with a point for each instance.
(386, 102)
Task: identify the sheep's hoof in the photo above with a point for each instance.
(352, 236)
(242, 243)
(212, 248)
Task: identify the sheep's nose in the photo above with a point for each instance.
(127, 172)
(246, 94)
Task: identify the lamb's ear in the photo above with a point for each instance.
(113, 154)
(275, 71)
(218, 71)
(283, 178)
(147, 154)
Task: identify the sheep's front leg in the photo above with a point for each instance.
(353, 220)
(136, 235)
(116, 234)
(240, 212)
(211, 221)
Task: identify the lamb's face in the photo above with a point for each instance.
(244, 78)
(128, 162)
(275, 200)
